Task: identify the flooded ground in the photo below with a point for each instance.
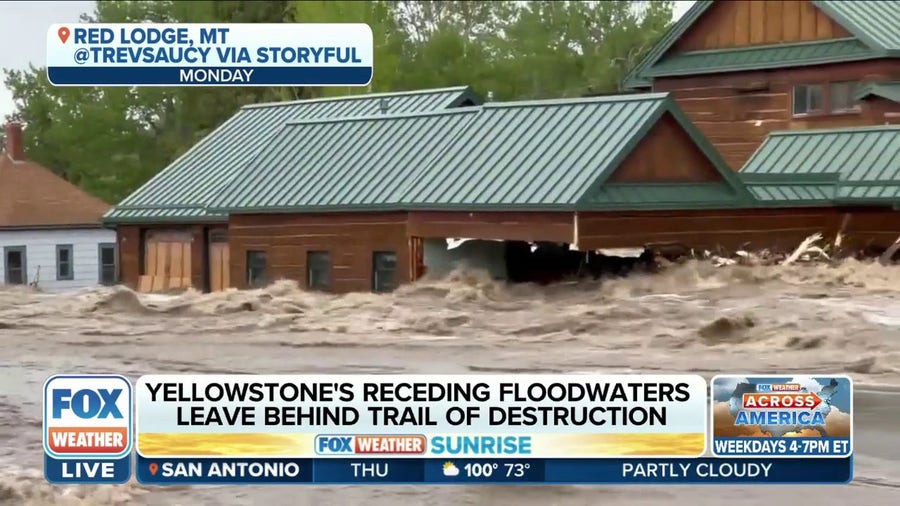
(691, 318)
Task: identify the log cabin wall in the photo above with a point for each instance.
(737, 109)
(882, 111)
(507, 226)
(281, 244)
(736, 117)
(777, 229)
(869, 228)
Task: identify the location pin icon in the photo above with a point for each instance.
(63, 34)
(153, 468)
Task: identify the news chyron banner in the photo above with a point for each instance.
(408, 429)
(176, 54)
(454, 429)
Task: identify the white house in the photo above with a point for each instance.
(50, 231)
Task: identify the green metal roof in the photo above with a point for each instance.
(873, 23)
(344, 164)
(536, 155)
(848, 165)
(181, 191)
(554, 154)
(890, 91)
(761, 57)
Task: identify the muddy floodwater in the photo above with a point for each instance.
(693, 318)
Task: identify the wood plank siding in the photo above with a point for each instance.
(730, 229)
(351, 239)
(510, 226)
(741, 23)
(753, 229)
(666, 155)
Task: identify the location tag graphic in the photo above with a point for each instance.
(63, 34)
(154, 467)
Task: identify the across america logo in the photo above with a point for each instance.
(789, 415)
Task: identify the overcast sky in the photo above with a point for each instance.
(23, 33)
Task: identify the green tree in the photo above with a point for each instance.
(388, 37)
(111, 140)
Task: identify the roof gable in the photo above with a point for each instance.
(558, 154)
(32, 196)
(887, 90)
(182, 191)
(727, 192)
(872, 23)
(535, 155)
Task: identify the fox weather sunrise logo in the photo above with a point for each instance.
(754, 416)
(87, 429)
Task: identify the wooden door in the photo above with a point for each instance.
(416, 258)
(167, 263)
(219, 272)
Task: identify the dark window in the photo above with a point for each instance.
(256, 269)
(384, 272)
(318, 270)
(841, 96)
(107, 259)
(15, 264)
(64, 262)
(807, 99)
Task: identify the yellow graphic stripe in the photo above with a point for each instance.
(302, 445)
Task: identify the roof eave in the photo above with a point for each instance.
(829, 60)
(66, 226)
(179, 220)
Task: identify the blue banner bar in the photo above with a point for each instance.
(226, 471)
(209, 76)
(86, 471)
(775, 446)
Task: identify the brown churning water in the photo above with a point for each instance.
(693, 317)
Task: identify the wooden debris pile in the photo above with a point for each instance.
(809, 251)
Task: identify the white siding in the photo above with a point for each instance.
(41, 253)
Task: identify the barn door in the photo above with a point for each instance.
(219, 273)
(167, 262)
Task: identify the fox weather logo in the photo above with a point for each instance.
(87, 426)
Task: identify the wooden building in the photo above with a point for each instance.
(591, 173)
(742, 69)
(756, 129)
(169, 240)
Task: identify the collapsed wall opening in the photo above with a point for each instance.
(532, 262)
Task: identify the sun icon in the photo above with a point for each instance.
(450, 469)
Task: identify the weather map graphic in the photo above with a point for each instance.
(782, 416)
